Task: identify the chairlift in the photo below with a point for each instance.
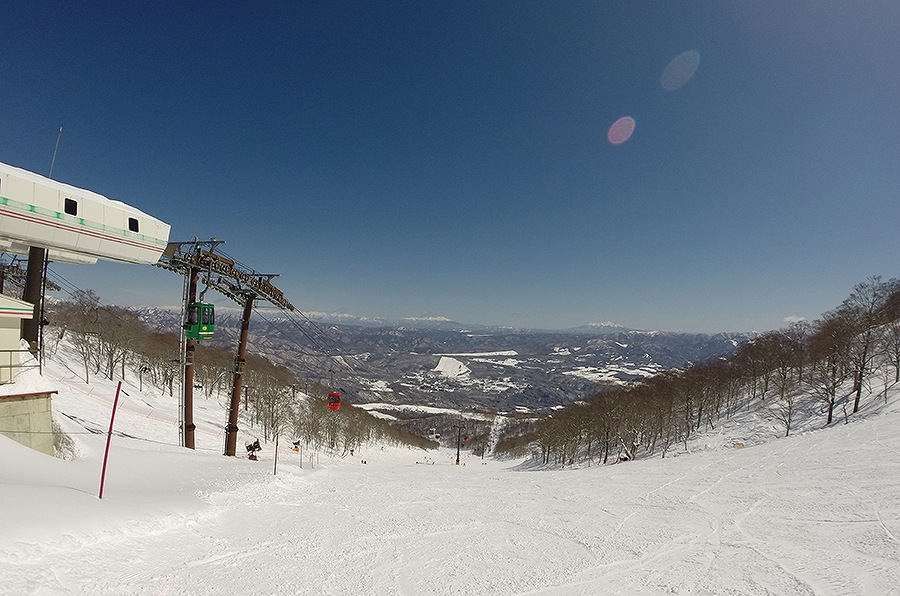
(200, 322)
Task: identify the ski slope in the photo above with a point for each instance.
(816, 513)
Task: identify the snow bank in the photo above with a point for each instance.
(817, 513)
(452, 368)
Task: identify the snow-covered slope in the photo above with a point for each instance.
(816, 513)
(451, 367)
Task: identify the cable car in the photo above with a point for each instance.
(334, 401)
(201, 321)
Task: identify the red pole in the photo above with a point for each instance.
(112, 419)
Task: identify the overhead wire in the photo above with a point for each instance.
(321, 339)
(340, 359)
(72, 289)
(318, 337)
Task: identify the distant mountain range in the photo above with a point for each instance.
(445, 323)
(506, 369)
(601, 328)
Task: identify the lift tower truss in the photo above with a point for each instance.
(243, 286)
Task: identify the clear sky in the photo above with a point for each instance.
(460, 159)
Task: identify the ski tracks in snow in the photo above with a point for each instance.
(715, 523)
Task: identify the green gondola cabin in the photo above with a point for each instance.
(201, 321)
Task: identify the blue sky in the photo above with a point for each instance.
(400, 159)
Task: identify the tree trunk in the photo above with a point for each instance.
(859, 383)
(606, 447)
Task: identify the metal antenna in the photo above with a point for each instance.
(53, 161)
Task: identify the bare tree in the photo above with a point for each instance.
(889, 346)
(785, 347)
(213, 368)
(829, 359)
(862, 309)
(118, 332)
(81, 319)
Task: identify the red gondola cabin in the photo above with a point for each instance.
(334, 401)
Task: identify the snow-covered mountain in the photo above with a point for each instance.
(601, 328)
(508, 368)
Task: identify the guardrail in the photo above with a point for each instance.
(11, 364)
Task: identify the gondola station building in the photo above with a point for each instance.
(25, 414)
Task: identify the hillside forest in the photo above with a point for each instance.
(825, 366)
(114, 342)
(828, 365)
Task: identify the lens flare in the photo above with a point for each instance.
(621, 130)
(680, 70)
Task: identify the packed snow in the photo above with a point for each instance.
(484, 354)
(510, 362)
(409, 409)
(618, 373)
(815, 513)
(452, 368)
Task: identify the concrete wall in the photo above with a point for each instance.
(27, 419)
